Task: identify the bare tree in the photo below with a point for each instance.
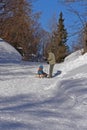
(82, 18)
(18, 25)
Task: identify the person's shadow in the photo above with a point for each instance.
(57, 73)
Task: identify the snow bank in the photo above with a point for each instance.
(73, 61)
(8, 53)
(73, 55)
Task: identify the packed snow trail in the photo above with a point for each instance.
(30, 103)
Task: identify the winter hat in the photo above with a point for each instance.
(41, 66)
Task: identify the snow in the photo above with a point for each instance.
(8, 53)
(31, 103)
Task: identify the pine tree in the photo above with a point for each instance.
(59, 39)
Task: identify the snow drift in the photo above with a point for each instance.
(8, 53)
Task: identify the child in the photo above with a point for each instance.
(41, 73)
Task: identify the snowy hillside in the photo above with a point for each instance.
(30, 103)
(74, 55)
(8, 53)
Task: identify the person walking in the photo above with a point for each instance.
(51, 61)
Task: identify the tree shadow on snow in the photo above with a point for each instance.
(59, 106)
(12, 125)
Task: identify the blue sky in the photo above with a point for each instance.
(48, 9)
(51, 7)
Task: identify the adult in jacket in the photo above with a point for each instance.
(52, 61)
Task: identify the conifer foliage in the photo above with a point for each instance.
(59, 40)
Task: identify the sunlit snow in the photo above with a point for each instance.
(31, 103)
(8, 53)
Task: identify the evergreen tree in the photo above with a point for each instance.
(59, 39)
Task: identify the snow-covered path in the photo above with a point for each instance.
(15, 78)
(30, 103)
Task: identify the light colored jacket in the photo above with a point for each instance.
(51, 58)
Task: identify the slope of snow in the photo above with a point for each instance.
(74, 62)
(30, 103)
(8, 53)
(74, 55)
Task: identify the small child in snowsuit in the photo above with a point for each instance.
(41, 73)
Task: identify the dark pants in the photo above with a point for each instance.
(51, 70)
